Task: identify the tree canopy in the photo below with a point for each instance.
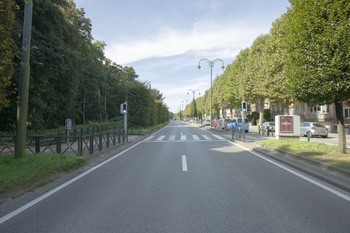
(304, 58)
(70, 75)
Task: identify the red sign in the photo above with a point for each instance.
(224, 104)
(286, 124)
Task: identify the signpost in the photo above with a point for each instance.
(69, 124)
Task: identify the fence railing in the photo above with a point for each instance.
(78, 144)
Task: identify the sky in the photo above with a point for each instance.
(164, 40)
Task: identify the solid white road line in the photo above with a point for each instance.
(184, 163)
(33, 202)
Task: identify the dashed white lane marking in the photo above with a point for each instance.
(184, 163)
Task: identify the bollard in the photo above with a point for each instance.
(308, 134)
(267, 132)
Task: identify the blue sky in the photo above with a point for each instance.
(165, 39)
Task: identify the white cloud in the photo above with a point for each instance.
(204, 36)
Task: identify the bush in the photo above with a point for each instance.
(267, 114)
(253, 117)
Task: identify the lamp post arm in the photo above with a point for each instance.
(206, 60)
(211, 65)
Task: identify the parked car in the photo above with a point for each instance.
(266, 127)
(237, 123)
(315, 129)
(206, 122)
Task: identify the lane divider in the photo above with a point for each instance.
(184, 163)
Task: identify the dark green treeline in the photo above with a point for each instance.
(70, 75)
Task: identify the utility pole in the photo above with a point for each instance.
(23, 90)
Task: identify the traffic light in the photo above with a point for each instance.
(123, 108)
(244, 106)
(248, 107)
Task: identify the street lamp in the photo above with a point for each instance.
(193, 92)
(211, 65)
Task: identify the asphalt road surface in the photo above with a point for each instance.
(186, 179)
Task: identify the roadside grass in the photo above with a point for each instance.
(34, 167)
(38, 168)
(314, 150)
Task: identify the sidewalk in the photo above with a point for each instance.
(335, 176)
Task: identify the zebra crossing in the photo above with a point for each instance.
(182, 137)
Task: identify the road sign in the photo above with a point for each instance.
(224, 104)
(69, 123)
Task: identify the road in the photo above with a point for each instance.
(186, 179)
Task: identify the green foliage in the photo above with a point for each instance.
(253, 117)
(70, 75)
(318, 41)
(7, 17)
(267, 115)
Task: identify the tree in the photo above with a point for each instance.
(239, 78)
(140, 104)
(277, 85)
(7, 19)
(318, 42)
(257, 76)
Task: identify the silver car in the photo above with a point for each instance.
(314, 128)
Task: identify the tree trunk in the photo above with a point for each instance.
(340, 126)
(286, 107)
(261, 110)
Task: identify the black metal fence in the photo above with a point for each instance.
(78, 143)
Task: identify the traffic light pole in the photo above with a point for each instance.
(124, 111)
(126, 125)
(243, 109)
